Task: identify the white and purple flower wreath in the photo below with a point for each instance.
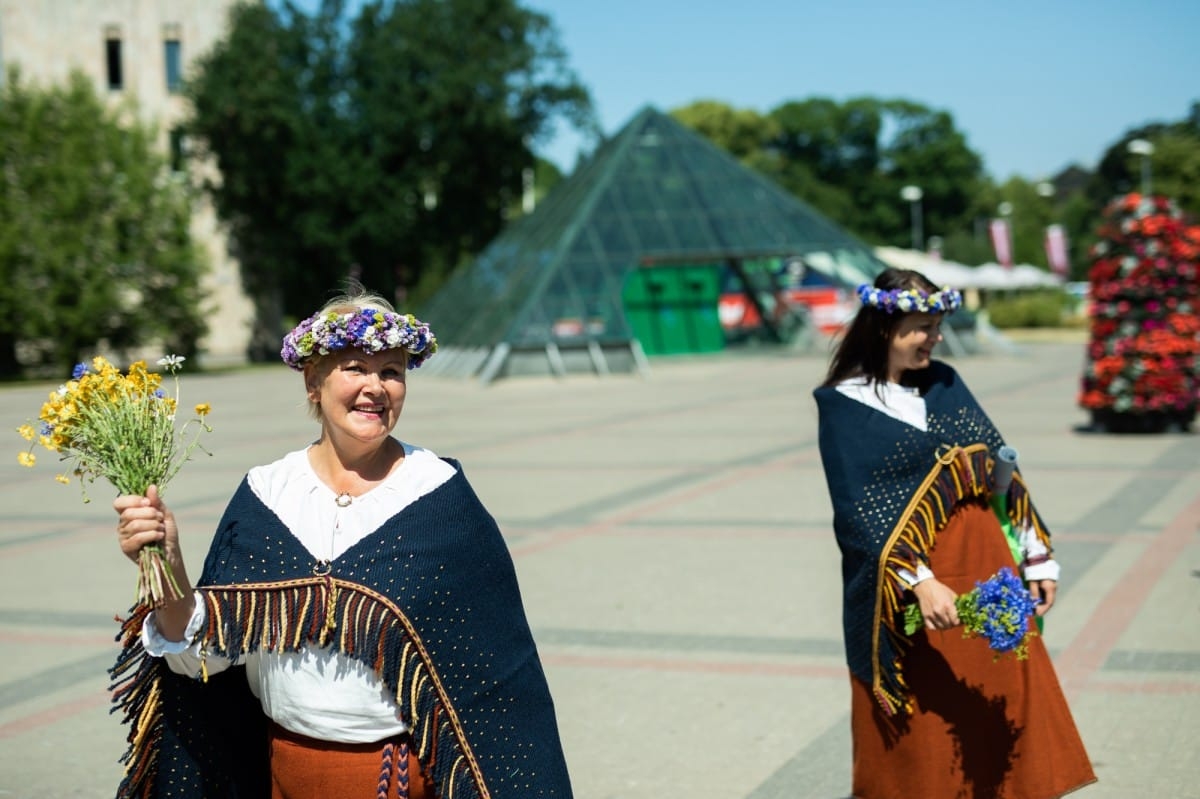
(947, 300)
(367, 329)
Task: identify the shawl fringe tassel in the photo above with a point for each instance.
(284, 617)
(961, 474)
(134, 684)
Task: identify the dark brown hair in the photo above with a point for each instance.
(863, 350)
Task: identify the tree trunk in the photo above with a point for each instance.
(267, 332)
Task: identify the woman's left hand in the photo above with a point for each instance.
(1043, 590)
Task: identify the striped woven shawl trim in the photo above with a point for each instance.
(285, 616)
(960, 474)
(135, 688)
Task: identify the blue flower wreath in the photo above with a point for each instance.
(947, 300)
(367, 329)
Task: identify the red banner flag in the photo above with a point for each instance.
(1056, 250)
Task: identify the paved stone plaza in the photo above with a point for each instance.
(672, 536)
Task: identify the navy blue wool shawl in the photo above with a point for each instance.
(894, 488)
(429, 601)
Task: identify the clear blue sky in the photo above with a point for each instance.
(1034, 85)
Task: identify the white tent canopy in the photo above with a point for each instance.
(987, 276)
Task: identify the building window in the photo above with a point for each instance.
(173, 56)
(112, 57)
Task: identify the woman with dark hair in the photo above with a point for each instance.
(909, 458)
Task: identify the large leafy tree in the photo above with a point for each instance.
(388, 146)
(1174, 166)
(839, 145)
(874, 148)
(95, 249)
(925, 149)
(259, 102)
(851, 159)
(743, 133)
(1176, 161)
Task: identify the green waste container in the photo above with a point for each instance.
(673, 309)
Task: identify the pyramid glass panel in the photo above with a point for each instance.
(655, 196)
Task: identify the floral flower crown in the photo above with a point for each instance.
(947, 300)
(367, 329)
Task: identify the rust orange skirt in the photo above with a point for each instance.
(981, 729)
(304, 768)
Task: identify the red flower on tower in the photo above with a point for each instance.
(1143, 357)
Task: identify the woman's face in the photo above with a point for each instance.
(360, 394)
(912, 343)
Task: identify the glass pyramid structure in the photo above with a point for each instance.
(550, 293)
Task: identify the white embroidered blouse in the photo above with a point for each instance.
(316, 692)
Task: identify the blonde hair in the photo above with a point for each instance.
(353, 299)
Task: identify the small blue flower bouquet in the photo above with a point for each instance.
(998, 609)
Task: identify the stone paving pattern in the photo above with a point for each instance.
(672, 536)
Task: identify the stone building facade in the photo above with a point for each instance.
(139, 50)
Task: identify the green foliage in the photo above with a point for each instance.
(828, 156)
(1029, 309)
(969, 246)
(1077, 214)
(927, 150)
(1079, 201)
(1119, 171)
(850, 160)
(256, 106)
(94, 232)
(1176, 165)
(1174, 168)
(389, 146)
(743, 133)
(1030, 214)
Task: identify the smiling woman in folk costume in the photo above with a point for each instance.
(909, 458)
(357, 630)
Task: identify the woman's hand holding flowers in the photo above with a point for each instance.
(122, 427)
(1043, 591)
(937, 603)
(146, 520)
(998, 609)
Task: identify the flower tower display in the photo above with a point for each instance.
(1143, 357)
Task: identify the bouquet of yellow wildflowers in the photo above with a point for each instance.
(121, 426)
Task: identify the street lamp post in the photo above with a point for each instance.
(1046, 191)
(913, 195)
(1145, 149)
